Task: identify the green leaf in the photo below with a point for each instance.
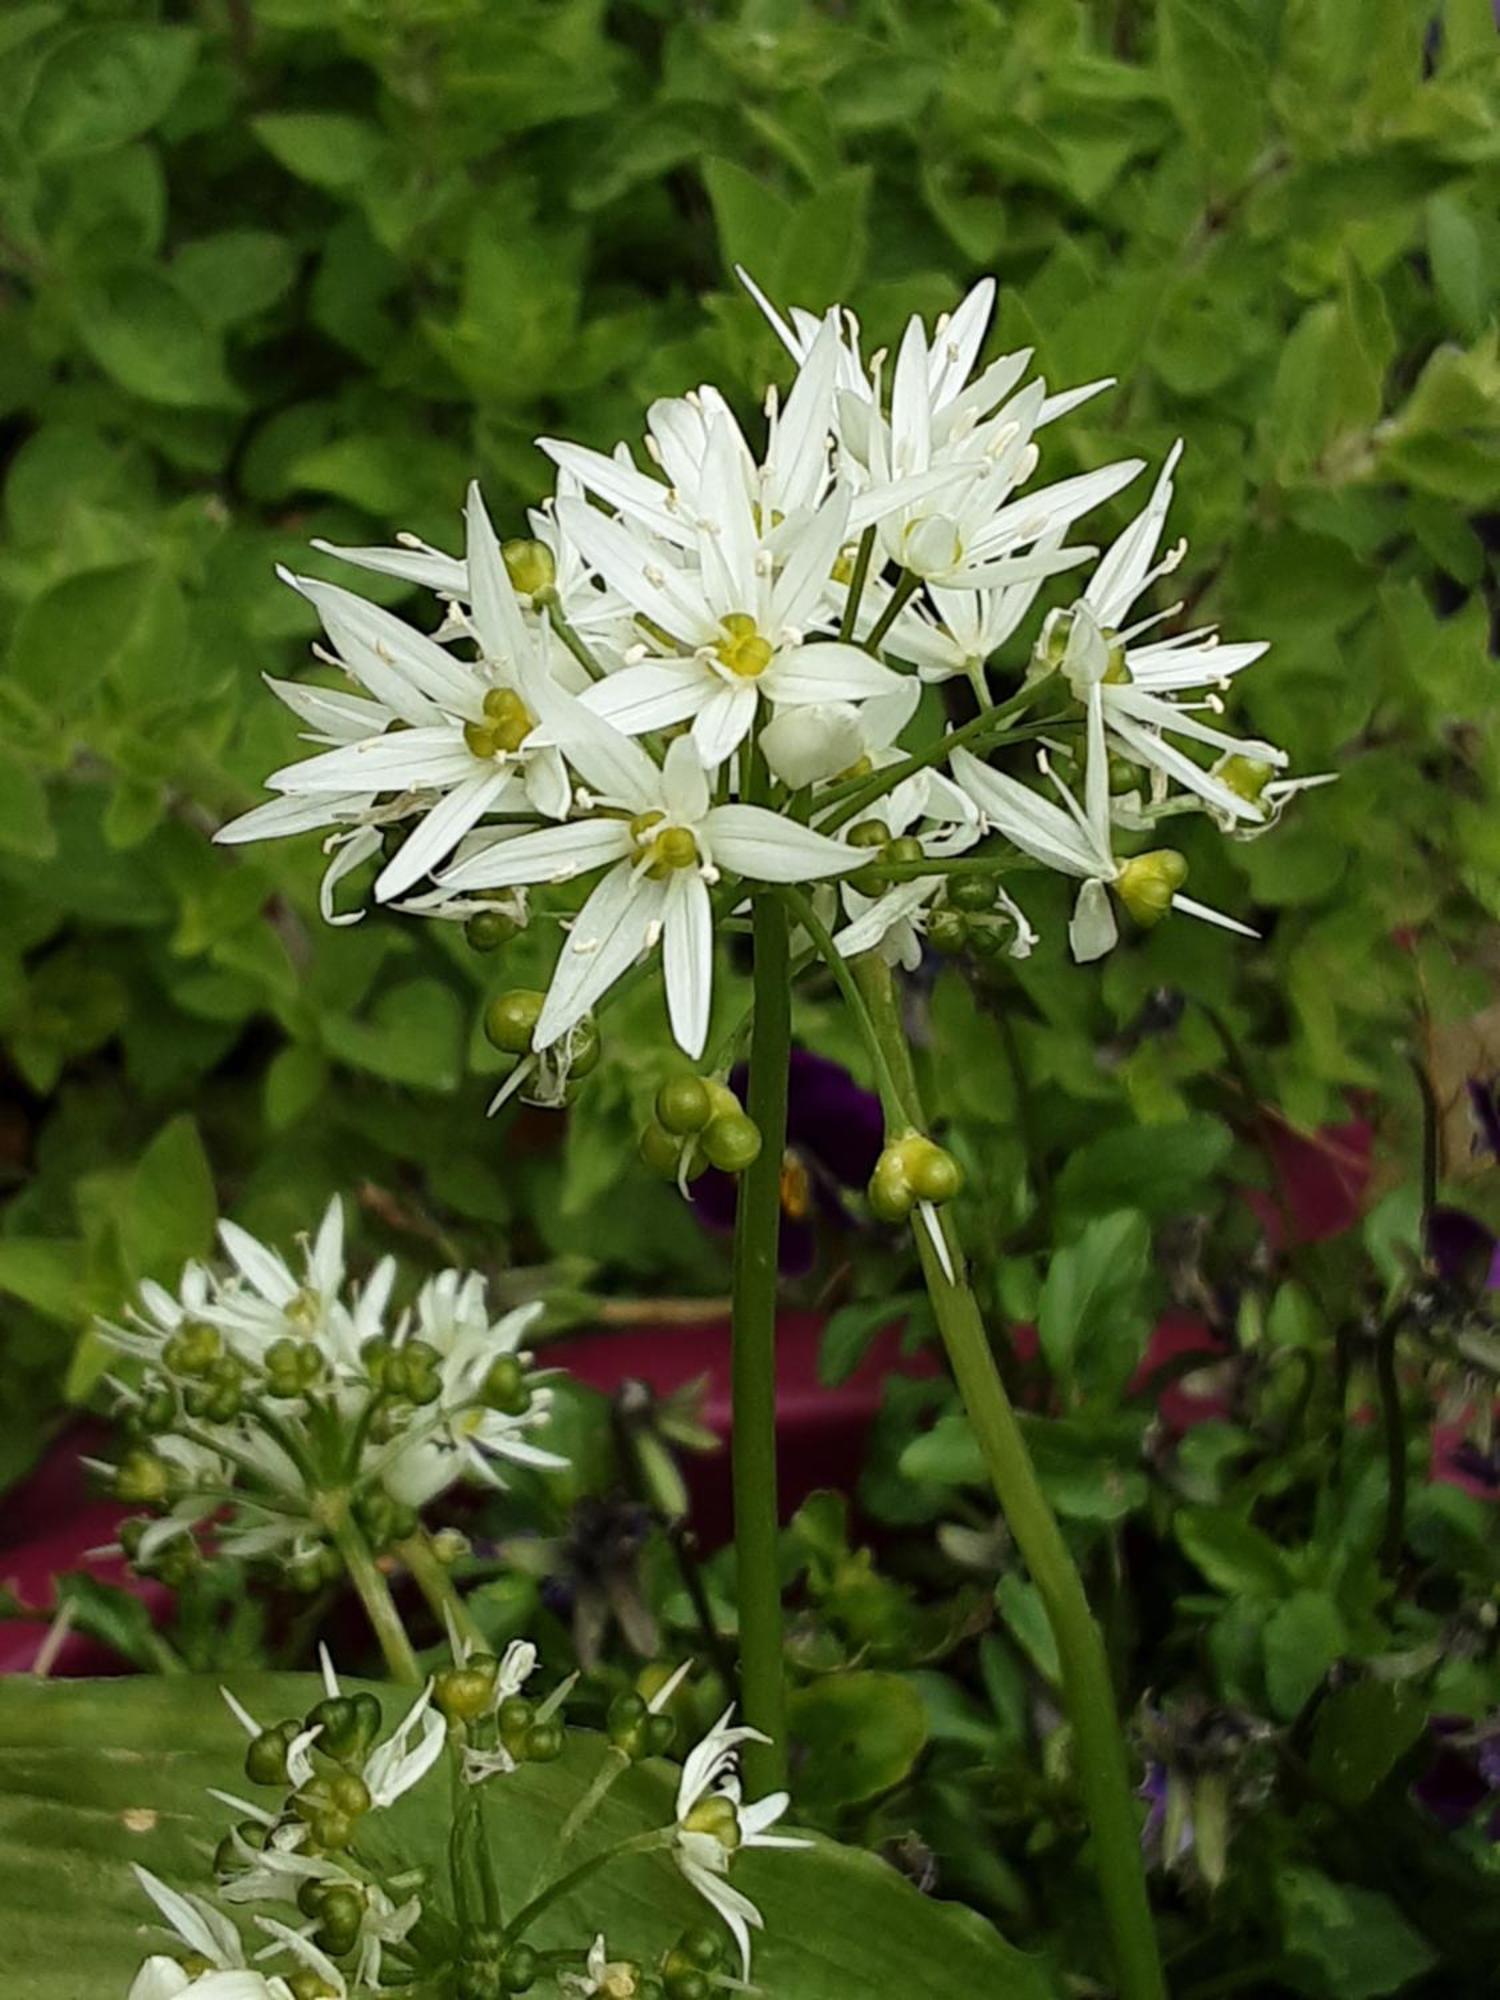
(849, 1332)
(48, 1273)
(1358, 1939)
(1091, 1319)
(1362, 1733)
(1215, 76)
(148, 334)
(1235, 1557)
(25, 817)
(236, 274)
(97, 1775)
(414, 1034)
(331, 149)
(1162, 1170)
(1303, 1638)
(170, 1206)
(1020, 1605)
(121, 622)
(857, 1735)
(752, 219)
(105, 85)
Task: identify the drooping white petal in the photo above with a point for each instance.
(688, 959)
(547, 854)
(426, 566)
(440, 832)
(1092, 931)
(654, 695)
(608, 935)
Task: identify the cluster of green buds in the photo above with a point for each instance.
(912, 1169)
(1147, 883)
(473, 1694)
(693, 1968)
(489, 1969)
(888, 851)
(551, 1074)
(637, 1729)
(318, 1763)
(698, 1122)
(971, 917)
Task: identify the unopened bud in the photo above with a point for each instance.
(1147, 884)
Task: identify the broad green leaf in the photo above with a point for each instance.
(331, 149)
(1091, 1321)
(413, 1034)
(104, 85)
(49, 1273)
(125, 622)
(857, 1735)
(1358, 1939)
(145, 331)
(1235, 1557)
(236, 274)
(25, 817)
(170, 1206)
(1162, 1170)
(1215, 76)
(1303, 1638)
(1362, 1732)
(97, 1775)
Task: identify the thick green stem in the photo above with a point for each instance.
(431, 1577)
(757, 1239)
(375, 1595)
(1099, 1747)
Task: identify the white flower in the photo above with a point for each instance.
(165, 1979)
(602, 1978)
(713, 1825)
(731, 631)
(940, 473)
(458, 1435)
(667, 841)
(1079, 843)
(448, 738)
(1133, 685)
(933, 810)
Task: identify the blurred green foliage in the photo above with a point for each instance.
(284, 268)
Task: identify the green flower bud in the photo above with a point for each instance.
(889, 1192)
(192, 1349)
(461, 1694)
(543, 1742)
(510, 1020)
(683, 1979)
(1246, 777)
(506, 1388)
(516, 1716)
(158, 1410)
(1147, 884)
(529, 564)
(907, 848)
(932, 1173)
(731, 1141)
(488, 930)
(971, 892)
(947, 931)
(228, 1858)
(309, 1985)
(659, 1151)
(684, 1105)
(660, 1734)
(341, 1919)
(519, 1969)
(584, 1045)
(142, 1479)
(350, 1725)
(988, 940)
(716, 1815)
(702, 1947)
(868, 833)
(265, 1757)
(627, 1712)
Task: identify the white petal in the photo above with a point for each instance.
(769, 848)
(1092, 931)
(549, 854)
(393, 660)
(830, 672)
(497, 615)
(428, 567)
(688, 959)
(654, 695)
(440, 832)
(804, 745)
(723, 722)
(262, 1267)
(1195, 909)
(403, 760)
(684, 782)
(608, 935)
(614, 767)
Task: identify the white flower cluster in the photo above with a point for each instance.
(698, 664)
(344, 1925)
(279, 1398)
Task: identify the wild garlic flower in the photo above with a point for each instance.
(665, 843)
(714, 1824)
(280, 1407)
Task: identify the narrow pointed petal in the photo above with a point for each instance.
(440, 832)
(609, 933)
(688, 960)
(770, 848)
(723, 722)
(497, 615)
(549, 854)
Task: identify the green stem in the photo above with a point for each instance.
(757, 1238)
(443, 1600)
(375, 1595)
(992, 722)
(640, 1843)
(1394, 1427)
(575, 645)
(906, 588)
(897, 1111)
(857, 584)
(1100, 1757)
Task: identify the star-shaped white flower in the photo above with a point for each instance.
(667, 842)
(714, 1824)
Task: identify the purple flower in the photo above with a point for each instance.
(1463, 1778)
(834, 1133)
(1462, 1251)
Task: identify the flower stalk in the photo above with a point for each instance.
(1100, 1757)
(756, 1245)
(375, 1595)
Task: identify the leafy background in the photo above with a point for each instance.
(278, 268)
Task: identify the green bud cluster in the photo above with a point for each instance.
(635, 1731)
(874, 833)
(383, 1521)
(689, 1969)
(698, 1123)
(331, 1805)
(410, 1373)
(292, 1367)
(1147, 884)
(463, 1694)
(910, 1170)
(349, 1723)
(314, 1569)
(265, 1759)
(338, 1908)
(142, 1479)
(510, 1025)
(229, 1856)
(528, 1736)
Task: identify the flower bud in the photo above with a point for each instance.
(519, 1969)
(487, 930)
(868, 833)
(505, 1387)
(684, 1105)
(142, 1479)
(932, 1172)
(731, 1141)
(905, 848)
(461, 1694)
(971, 892)
(510, 1020)
(529, 564)
(265, 1757)
(1147, 884)
(1245, 776)
(702, 1947)
(543, 1743)
(803, 746)
(516, 1716)
(659, 1151)
(947, 931)
(889, 1191)
(717, 1816)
